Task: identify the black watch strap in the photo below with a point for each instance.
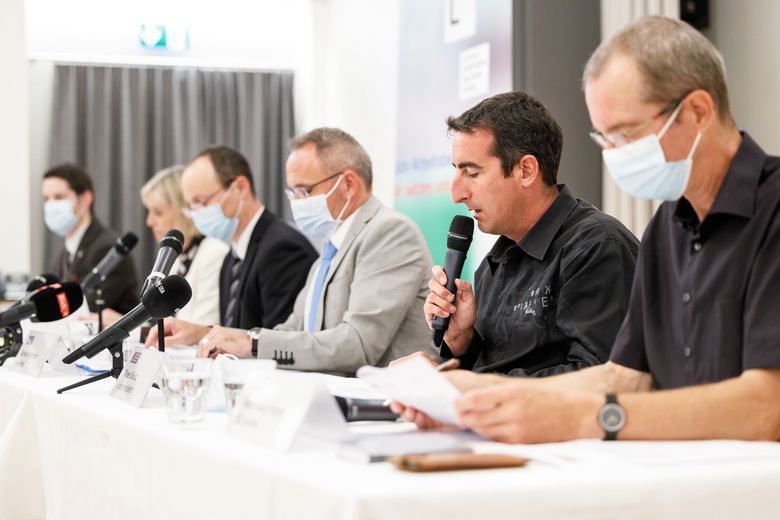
(255, 341)
(612, 417)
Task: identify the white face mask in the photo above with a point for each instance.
(313, 217)
(59, 216)
(641, 169)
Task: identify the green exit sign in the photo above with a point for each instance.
(164, 37)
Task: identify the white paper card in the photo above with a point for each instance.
(59, 351)
(34, 351)
(474, 72)
(288, 411)
(415, 383)
(141, 367)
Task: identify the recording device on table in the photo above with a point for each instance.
(458, 241)
(365, 409)
(171, 247)
(160, 300)
(47, 303)
(93, 282)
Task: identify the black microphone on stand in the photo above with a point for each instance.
(116, 254)
(35, 285)
(50, 303)
(171, 246)
(162, 299)
(458, 241)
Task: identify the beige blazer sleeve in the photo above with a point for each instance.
(374, 294)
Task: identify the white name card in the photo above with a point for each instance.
(288, 411)
(34, 351)
(140, 369)
(59, 351)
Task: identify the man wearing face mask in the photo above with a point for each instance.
(363, 300)
(268, 261)
(697, 355)
(68, 198)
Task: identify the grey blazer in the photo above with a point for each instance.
(371, 309)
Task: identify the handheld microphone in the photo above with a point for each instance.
(365, 409)
(50, 303)
(163, 298)
(170, 247)
(458, 241)
(97, 276)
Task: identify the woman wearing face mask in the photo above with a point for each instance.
(201, 258)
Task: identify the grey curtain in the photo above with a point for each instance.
(123, 124)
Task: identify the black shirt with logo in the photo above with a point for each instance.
(706, 299)
(553, 302)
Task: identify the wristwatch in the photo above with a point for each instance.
(254, 333)
(612, 418)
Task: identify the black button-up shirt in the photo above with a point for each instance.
(705, 304)
(553, 302)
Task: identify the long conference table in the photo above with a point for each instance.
(84, 455)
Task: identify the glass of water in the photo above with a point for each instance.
(186, 383)
(235, 373)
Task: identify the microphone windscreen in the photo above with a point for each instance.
(173, 239)
(166, 296)
(460, 234)
(128, 242)
(58, 301)
(42, 280)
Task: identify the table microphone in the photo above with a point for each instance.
(171, 246)
(458, 241)
(116, 254)
(49, 303)
(161, 300)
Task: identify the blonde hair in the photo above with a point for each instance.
(165, 186)
(673, 58)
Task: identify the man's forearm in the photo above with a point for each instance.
(607, 378)
(744, 407)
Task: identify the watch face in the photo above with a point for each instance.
(612, 417)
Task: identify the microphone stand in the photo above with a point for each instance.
(117, 364)
(100, 304)
(161, 335)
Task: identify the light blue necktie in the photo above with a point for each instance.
(327, 255)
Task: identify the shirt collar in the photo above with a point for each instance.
(338, 236)
(240, 246)
(538, 239)
(737, 194)
(73, 241)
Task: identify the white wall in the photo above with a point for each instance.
(354, 79)
(14, 141)
(746, 34)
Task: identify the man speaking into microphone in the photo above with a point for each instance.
(551, 293)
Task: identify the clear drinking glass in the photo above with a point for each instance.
(186, 383)
(235, 373)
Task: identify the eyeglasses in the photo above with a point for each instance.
(302, 192)
(618, 139)
(187, 212)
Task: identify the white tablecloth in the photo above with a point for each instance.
(84, 455)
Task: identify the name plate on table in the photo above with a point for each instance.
(59, 351)
(288, 411)
(34, 351)
(141, 367)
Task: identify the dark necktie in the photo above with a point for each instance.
(231, 311)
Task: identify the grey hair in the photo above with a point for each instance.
(673, 58)
(337, 151)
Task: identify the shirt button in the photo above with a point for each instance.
(697, 246)
(686, 297)
(687, 351)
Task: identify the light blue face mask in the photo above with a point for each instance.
(212, 222)
(641, 169)
(59, 216)
(313, 217)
